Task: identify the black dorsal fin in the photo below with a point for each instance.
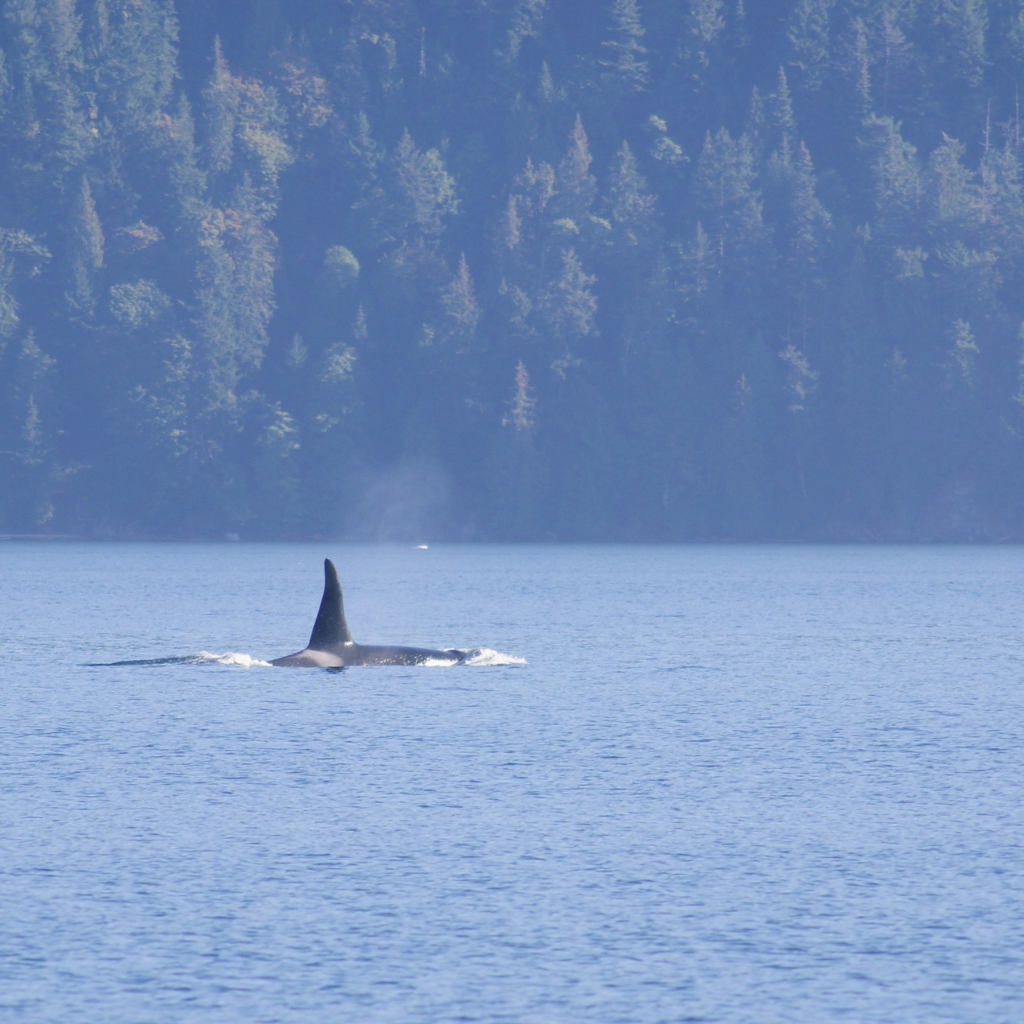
(330, 628)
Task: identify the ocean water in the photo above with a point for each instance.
(729, 784)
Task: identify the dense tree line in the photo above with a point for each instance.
(512, 269)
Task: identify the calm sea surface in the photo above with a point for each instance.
(737, 784)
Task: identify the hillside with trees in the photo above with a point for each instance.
(512, 269)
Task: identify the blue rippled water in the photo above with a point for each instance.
(736, 784)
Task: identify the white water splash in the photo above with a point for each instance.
(485, 656)
(232, 658)
(477, 656)
(474, 656)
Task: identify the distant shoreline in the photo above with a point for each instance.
(543, 541)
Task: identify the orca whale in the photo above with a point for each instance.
(331, 644)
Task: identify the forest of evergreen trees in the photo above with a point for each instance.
(512, 269)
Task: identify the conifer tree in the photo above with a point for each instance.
(808, 33)
(961, 360)
(34, 366)
(756, 125)
(27, 434)
(895, 57)
(85, 248)
(516, 471)
(575, 186)
(461, 308)
(725, 191)
(859, 67)
(963, 24)
(8, 303)
(953, 196)
(424, 193)
(236, 296)
(810, 218)
(801, 219)
(220, 109)
(527, 23)
(630, 204)
(570, 306)
(535, 187)
(705, 23)
(132, 59)
(509, 230)
(19, 251)
(44, 48)
(1000, 192)
(5, 88)
(261, 150)
(523, 403)
(780, 122)
(626, 65)
(180, 156)
(894, 170)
